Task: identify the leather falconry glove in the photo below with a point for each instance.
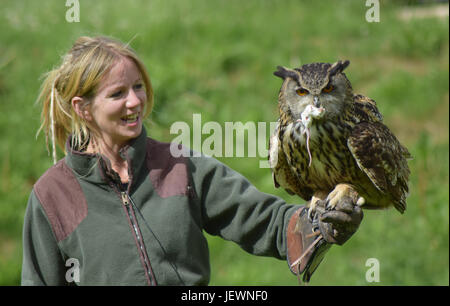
(308, 242)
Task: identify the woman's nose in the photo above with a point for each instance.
(132, 99)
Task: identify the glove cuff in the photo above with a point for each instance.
(300, 237)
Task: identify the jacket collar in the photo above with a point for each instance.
(96, 168)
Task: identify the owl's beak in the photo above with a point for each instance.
(316, 101)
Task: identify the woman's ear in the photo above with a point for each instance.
(80, 107)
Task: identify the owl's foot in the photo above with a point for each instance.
(340, 192)
(312, 209)
(315, 204)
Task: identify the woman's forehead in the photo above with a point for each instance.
(123, 71)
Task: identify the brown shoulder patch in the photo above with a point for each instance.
(63, 201)
(168, 174)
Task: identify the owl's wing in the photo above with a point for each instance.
(380, 155)
(282, 173)
(366, 109)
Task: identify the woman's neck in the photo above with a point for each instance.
(118, 164)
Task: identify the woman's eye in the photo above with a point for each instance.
(116, 94)
(138, 86)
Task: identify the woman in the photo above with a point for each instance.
(119, 209)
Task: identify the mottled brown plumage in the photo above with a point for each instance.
(351, 151)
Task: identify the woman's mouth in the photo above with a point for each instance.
(130, 119)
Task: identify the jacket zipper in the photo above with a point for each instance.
(126, 202)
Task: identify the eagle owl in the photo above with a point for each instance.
(330, 143)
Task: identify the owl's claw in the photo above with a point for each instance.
(311, 213)
(341, 192)
(316, 206)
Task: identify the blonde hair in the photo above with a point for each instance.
(79, 74)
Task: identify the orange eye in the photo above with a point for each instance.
(302, 92)
(328, 88)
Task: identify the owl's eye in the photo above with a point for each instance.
(328, 88)
(302, 92)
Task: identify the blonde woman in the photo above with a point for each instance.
(119, 209)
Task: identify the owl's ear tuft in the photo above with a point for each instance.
(283, 73)
(338, 67)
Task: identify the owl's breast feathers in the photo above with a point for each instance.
(354, 148)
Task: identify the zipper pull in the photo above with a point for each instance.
(125, 198)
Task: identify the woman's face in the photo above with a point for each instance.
(117, 109)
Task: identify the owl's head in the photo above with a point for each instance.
(318, 84)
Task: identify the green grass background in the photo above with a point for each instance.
(216, 58)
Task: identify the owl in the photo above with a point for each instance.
(330, 143)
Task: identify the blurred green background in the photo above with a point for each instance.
(216, 58)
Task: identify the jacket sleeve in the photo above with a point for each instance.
(235, 210)
(43, 263)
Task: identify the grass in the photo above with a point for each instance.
(216, 58)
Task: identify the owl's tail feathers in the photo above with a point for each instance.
(402, 193)
(400, 205)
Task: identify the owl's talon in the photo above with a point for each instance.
(311, 213)
(327, 204)
(316, 205)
